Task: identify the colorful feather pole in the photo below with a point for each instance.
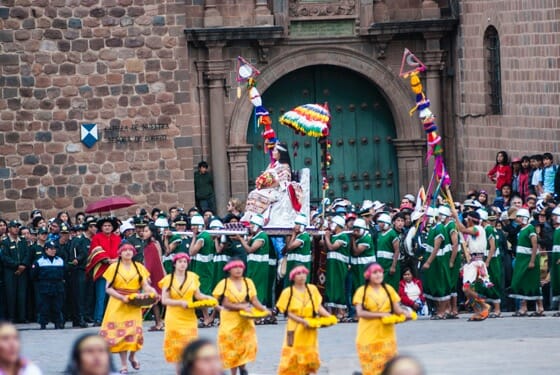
(411, 67)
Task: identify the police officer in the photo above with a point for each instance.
(137, 239)
(48, 271)
(16, 258)
(77, 259)
(82, 245)
(37, 251)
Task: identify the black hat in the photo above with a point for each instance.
(181, 219)
(76, 228)
(50, 245)
(42, 230)
(474, 216)
(14, 224)
(139, 221)
(108, 219)
(36, 212)
(64, 228)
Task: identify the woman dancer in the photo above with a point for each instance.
(376, 342)
(300, 352)
(237, 337)
(177, 290)
(122, 323)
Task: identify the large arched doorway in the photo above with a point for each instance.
(364, 158)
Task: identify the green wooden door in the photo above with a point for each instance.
(364, 163)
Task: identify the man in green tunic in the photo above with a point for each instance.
(202, 254)
(299, 248)
(362, 252)
(555, 261)
(177, 243)
(455, 258)
(338, 260)
(388, 251)
(526, 279)
(436, 278)
(258, 255)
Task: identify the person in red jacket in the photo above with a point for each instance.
(411, 291)
(102, 252)
(501, 174)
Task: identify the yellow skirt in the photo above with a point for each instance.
(237, 340)
(374, 356)
(122, 327)
(175, 341)
(299, 360)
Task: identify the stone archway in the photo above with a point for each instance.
(409, 143)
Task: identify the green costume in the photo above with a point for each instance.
(437, 279)
(299, 256)
(258, 266)
(168, 259)
(525, 282)
(359, 263)
(555, 267)
(495, 272)
(337, 270)
(385, 253)
(454, 272)
(202, 264)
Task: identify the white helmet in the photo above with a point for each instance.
(126, 225)
(339, 220)
(366, 205)
(360, 223)
(523, 212)
(384, 218)
(483, 214)
(197, 220)
(444, 211)
(301, 219)
(556, 211)
(257, 220)
(432, 212)
(215, 224)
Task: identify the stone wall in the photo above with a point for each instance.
(530, 46)
(111, 62)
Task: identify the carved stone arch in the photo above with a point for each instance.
(409, 143)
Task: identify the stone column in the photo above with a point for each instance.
(238, 164)
(262, 13)
(433, 59)
(212, 16)
(410, 159)
(215, 78)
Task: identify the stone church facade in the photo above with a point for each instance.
(158, 78)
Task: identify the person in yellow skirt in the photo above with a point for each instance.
(177, 290)
(237, 337)
(122, 322)
(376, 341)
(300, 351)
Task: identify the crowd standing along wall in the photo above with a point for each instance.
(529, 37)
(119, 64)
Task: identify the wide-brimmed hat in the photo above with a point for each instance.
(108, 219)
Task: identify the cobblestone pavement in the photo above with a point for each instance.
(497, 346)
